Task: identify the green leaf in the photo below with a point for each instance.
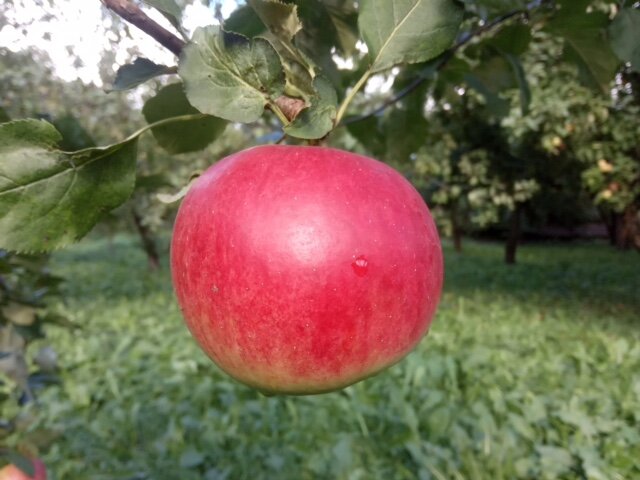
(283, 23)
(345, 24)
(367, 133)
(587, 46)
(49, 198)
(230, 76)
(169, 7)
(409, 125)
(489, 79)
(133, 74)
(74, 135)
(624, 33)
(570, 8)
(170, 10)
(317, 120)
(191, 458)
(330, 26)
(513, 39)
(555, 461)
(245, 21)
(280, 18)
(180, 137)
(407, 31)
(521, 79)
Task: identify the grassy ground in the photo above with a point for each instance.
(529, 372)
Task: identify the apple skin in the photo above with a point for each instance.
(302, 270)
(11, 472)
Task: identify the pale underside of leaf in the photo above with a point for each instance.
(283, 24)
(230, 76)
(169, 9)
(280, 18)
(318, 119)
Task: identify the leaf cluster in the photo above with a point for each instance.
(272, 57)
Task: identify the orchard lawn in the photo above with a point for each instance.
(530, 371)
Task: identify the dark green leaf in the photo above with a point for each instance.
(367, 132)
(170, 10)
(569, 8)
(407, 31)
(521, 79)
(283, 23)
(317, 120)
(328, 24)
(497, 105)
(624, 32)
(405, 133)
(513, 39)
(133, 74)
(245, 21)
(49, 198)
(74, 136)
(230, 76)
(587, 46)
(184, 136)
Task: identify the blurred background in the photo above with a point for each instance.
(524, 144)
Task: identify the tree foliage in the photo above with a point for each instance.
(271, 58)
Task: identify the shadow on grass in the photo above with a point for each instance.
(585, 275)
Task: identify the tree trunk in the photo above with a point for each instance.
(148, 242)
(609, 220)
(513, 236)
(627, 229)
(456, 231)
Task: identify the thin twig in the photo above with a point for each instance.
(134, 15)
(445, 59)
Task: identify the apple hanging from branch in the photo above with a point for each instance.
(302, 269)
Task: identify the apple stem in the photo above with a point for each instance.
(279, 113)
(350, 96)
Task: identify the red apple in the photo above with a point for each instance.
(305, 269)
(11, 472)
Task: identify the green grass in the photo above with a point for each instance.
(529, 372)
